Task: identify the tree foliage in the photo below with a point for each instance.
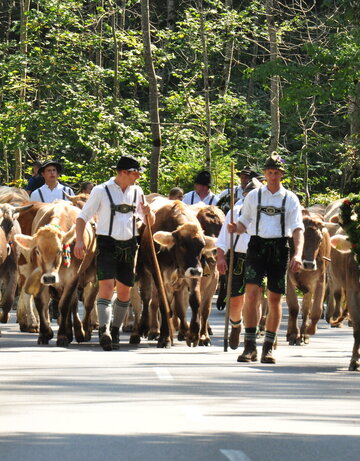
(79, 90)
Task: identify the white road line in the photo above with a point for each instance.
(193, 413)
(235, 455)
(163, 374)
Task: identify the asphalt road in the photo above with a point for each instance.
(144, 403)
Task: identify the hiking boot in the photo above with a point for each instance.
(105, 339)
(250, 352)
(115, 337)
(234, 339)
(267, 351)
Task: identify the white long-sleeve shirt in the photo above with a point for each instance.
(99, 204)
(270, 226)
(241, 241)
(192, 197)
(238, 190)
(50, 195)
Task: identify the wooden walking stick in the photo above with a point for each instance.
(162, 293)
(231, 262)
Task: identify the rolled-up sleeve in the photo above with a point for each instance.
(295, 215)
(91, 207)
(246, 212)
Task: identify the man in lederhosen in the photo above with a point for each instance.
(271, 215)
(116, 203)
(52, 190)
(201, 192)
(240, 245)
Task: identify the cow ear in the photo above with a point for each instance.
(165, 239)
(69, 236)
(32, 285)
(24, 241)
(210, 243)
(341, 243)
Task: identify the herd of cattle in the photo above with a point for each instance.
(37, 264)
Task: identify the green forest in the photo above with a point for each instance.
(182, 85)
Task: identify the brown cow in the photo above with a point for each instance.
(56, 272)
(310, 280)
(347, 272)
(211, 219)
(181, 242)
(26, 313)
(8, 256)
(336, 309)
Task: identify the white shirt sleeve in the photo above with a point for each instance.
(92, 205)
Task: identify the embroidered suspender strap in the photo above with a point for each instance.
(238, 235)
(41, 196)
(258, 212)
(282, 217)
(124, 208)
(211, 200)
(134, 219)
(192, 198)
(112, 210)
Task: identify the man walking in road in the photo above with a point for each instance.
(271, 215)
(116, 203)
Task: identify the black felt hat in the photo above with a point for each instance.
(251, 185)
(129, 163)
(247, 171)
(274, 162)
(203, 178)
(48, 163)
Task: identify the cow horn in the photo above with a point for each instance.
(69, 197)
(331, 225)
(18, 209)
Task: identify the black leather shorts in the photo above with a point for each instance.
(115, 259)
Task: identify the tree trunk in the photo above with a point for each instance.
(229, 53)
(153, 97)
(275, 80)
(24, 9)
(352, 165)
(206, 88)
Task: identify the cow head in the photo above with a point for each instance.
(313, 236)
(47, 248)
(8, 214)
(78, 200)
(186, 243)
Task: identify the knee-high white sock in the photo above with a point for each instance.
(119, 309)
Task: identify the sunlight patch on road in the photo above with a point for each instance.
(163, 374)
(235, 455)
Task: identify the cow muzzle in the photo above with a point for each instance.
(194, 272)
(49, 279)
(309, 265)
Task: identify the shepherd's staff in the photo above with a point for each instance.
(231, 262)
(162, 294)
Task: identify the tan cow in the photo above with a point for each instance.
(347, 272)
(8, 257)
(310, 280)
(56, 272)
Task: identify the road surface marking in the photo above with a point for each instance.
(193, 413)
(235, 455)
(163, 374)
